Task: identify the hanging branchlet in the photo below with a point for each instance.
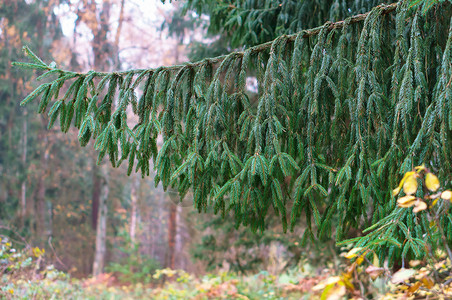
(340, 110)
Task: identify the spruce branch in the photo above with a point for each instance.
(340, 110)
(385, 9)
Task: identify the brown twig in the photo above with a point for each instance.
(17, 234)
(54, 253)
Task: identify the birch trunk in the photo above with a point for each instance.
(101, 228)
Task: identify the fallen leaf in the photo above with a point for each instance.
(351, 269)
(432, 182)
(414, 263)
(446, 195)
(376, 261)
(396, 191)
(434, 196)
(374, 272)
(421, 205)
(333, 291)
(406, 199)
(414, 287)
(360, 259)
(353, 252)
(434, 202)
(333, 279)
(420, 168)
(322, 285)
(428, 282)
(402, 275)
(410, 185)
(347, 283)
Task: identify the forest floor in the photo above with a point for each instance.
(177, 284)
(168, 284)
(24, 276)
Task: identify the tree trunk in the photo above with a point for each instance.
(96, 194)
(40, 205)
(178, 243)
(101, 228)
(40, 210)
(172, 228)
(116, 62)
(99, 26)
(23, 189)
(134, 207)
(172, 219)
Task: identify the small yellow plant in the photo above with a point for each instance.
(37, 252)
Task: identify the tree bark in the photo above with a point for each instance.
(134, 207)
(96, 194)
(172, 219)
(23, 189)
(40, 210)
(101, 228)
(117, 62)
(178, 238)
(172, 229)
(99, 26)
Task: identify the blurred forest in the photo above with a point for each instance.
(51, 190)
(65, 213)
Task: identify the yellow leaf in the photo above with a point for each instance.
(352, 253)
(360, 259)
(434, 202)
(432, 182)
(325, 283)
(406, 205)
(414, 287)
(376, 260)
(333, 279)
(396, 191)
(410, 185)
(37, 252)
(428, 282)
(446, 195)
(407, 174)
(346, 282)
(406, 199)
(333, 291)
(420, 168)
(421, 205)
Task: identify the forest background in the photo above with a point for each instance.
(89, 218)
(51, 189)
